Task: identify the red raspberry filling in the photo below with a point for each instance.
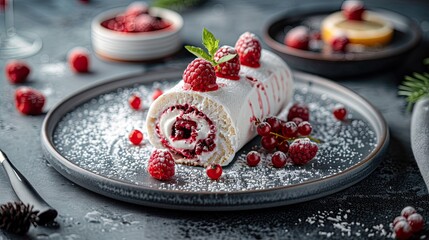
(187, 129)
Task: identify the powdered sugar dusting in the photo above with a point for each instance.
(94, 137)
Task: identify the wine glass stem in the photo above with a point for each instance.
(7, 28)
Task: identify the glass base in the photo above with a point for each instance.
(20, 45)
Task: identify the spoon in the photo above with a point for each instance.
(26, 193)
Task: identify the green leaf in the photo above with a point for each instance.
(226, 58)
(210, 42)
(199, 52)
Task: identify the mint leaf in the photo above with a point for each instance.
(226, 58)
(210, 42)
(199, 52)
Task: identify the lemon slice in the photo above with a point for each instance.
(372, 31)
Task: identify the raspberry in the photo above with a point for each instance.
(248, 48)
(161, 165)
(298, 111)
(136, 137)
(416, 222)
(17, 71)
(353, 9)
(135, 102)
(29, 101)
(279, 159)
(302, 150)
(158, 92)
(253, 158)
(78, 59)
(214, 171)
(230, 69)
(298, 37)
(340, 42)
(200, 76)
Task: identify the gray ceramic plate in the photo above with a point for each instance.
(407, 35)
(85, 139)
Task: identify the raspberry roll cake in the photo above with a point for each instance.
(210, 114)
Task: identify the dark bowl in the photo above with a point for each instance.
(407, 35)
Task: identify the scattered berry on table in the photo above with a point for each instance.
(298, 37)
(214, 171)
(263, 129)
(402, 230)
(353, 9)
(135, 101)
(200, 76)
(161, 165)
(229, 69)
(78, 59)
(416, 222)
(158, 92)
(279, 159)
(298, 111)
(398, 219)
(269, 142)
(304, 128)
(289, 129)
(339, 42)
(302, 150)
(136, 137)
(248, 48)
(340, 112)
(29, 101)
(253, 158)
(17, 71)
(407, 211)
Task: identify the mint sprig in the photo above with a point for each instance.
(211, 43)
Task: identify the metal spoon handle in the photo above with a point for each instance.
(26, 193)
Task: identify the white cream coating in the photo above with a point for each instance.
(231, 108)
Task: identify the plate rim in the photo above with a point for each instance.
(314, 56)
(59, 162)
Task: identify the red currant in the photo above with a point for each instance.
(290, 129)
(340, 42)
(297, 120)
(135, 102)
(279, 159)
(407, 211)
(275, 124)
(283, 146)
(214, 171)
(269, 142)
(298, 110)
(158, 92)
(416, 222)
(340, 112)
(398, 219)
(304, 128)
(402, 230)
(263, 129)
(136, 137)
(253, 158)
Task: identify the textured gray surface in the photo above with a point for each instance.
(364, 210)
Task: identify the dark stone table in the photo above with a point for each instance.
(362, 211)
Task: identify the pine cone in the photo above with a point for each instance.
(17, 217)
